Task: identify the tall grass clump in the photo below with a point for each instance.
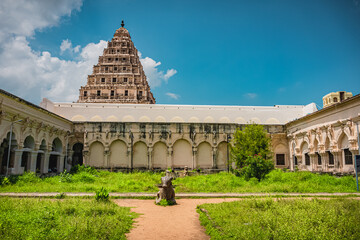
(282, 219)
(65, 219)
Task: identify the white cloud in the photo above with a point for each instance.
(250, 95)
(23, 17)
(155, 76)
(66, 45)
(173, 95)
(33, 75)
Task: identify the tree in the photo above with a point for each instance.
(250, 150)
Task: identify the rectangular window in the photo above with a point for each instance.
(98, 92)
(116, 59)
(125, 79)
(348, 157)
(115, 68)
(307, 159)
(124, 68)
(114, 80)
(109, 59)
(85, 93)
(319, 158)
(112, 93)
(126, 93)
(331, 158)
(296, 163)
(102, 80)
(140, 93)
(280, 159)
(106, 68)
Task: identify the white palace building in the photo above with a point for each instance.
(116, 125)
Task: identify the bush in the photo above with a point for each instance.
(250, 150)
(29, 177)
(256, 167)
(82, 168)
(65, 176)
(102, 194)
(5, 181)
(164, 203)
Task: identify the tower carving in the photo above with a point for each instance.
(119, 76)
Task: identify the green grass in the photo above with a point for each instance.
(282, 219)
(276, 181)
(63, 219)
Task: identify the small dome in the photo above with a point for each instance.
(121, 32)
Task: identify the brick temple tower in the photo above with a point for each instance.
(119, 76)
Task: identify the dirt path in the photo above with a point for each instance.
(180, 221)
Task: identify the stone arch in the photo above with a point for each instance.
(29, 142)
(224, 120)
(327, 144)
(160, 119)
(240, 120)
(272, 121)
(204, 156)
(316, 145)
(159, 155)
(96, 154)
(177, 119)
(222, 155)
(128, 118)
(140, 155)
(304, 147)
(56, 145)
(144, 119)
(182, 154)
(96, 118)
(255, 120)
(194, 119)
(112, 118)
(78, 118)
(209, 119)
(118, 154)
(343, 141)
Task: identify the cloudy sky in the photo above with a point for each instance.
(232, 52)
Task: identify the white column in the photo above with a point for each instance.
(17, 163)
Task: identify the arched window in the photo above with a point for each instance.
(307, 159)
(335, 99)
(348, 157)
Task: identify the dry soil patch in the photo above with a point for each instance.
(180, 221)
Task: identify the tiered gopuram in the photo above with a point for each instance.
(119, 76)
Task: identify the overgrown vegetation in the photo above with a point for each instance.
(65, 219)
(282, 219)
(250, 151)
(102, 195)
(276, 181)
(164, 203)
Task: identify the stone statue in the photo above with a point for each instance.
(166, 190)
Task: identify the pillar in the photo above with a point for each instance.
(169, 158)
(150, 149)
(194, 160)
(17, 169)
(33, 158)
(46, 162)
(60, 163)
(214, 150)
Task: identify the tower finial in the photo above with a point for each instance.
(122, 23)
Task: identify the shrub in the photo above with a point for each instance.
(250, 151)
(256, 167)
(82, 168)
(164, 203)
(5, 181)
(102, 194)
(29, 177)
(65, 176)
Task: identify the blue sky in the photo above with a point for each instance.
(259, 52)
